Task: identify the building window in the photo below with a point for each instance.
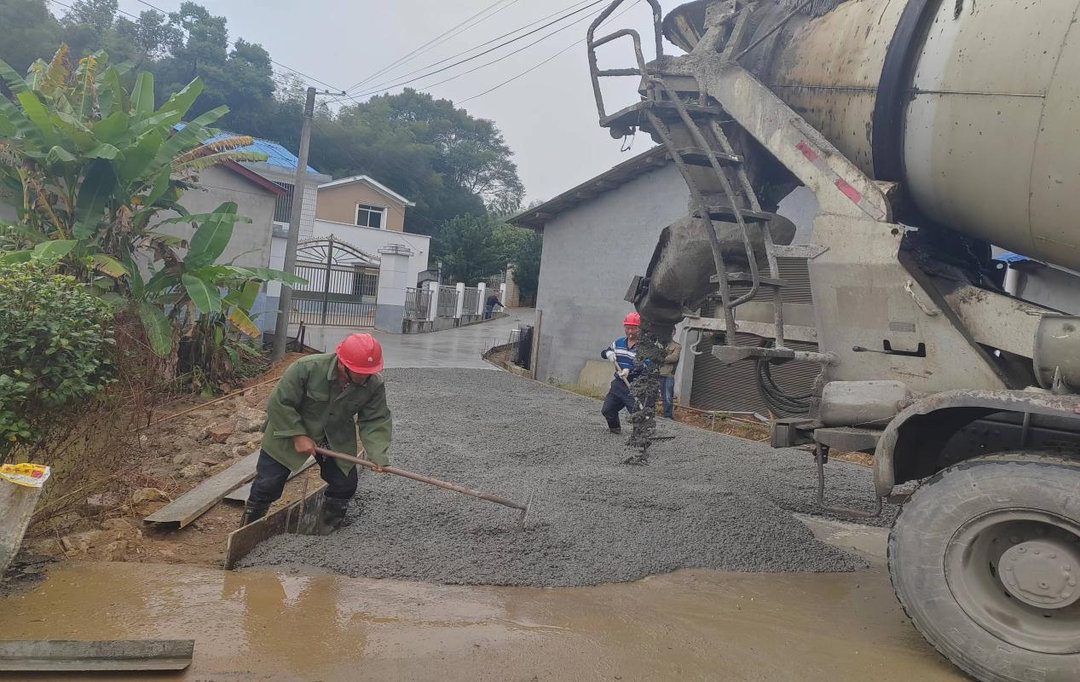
(369, 216)
(283, 208)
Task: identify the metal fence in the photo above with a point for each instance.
(472, 301)
(447, 302)
(332, 313)
(417, 303)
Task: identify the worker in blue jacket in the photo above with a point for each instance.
(622, 353)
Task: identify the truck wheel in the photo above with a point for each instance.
(985, 559)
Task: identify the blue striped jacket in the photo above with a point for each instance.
(624, 355)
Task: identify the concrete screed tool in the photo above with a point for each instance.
(523, 508)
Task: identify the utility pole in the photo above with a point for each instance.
(281, 330)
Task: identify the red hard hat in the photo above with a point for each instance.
(361, 353)
(632, 320)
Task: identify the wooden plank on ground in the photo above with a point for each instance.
(54, 656)
(192, 504)
(241, 494)
(17, 504)
(299, 517)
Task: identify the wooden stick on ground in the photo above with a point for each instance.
(56, 655)
(208, 403)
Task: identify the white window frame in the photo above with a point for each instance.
(371, 209)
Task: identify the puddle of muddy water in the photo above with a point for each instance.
(690, 625)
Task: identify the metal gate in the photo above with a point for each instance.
(342, 285)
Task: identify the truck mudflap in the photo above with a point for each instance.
(917, 434)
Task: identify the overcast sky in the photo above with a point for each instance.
(548, 116)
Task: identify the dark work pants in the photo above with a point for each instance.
(618, 397)
(270, 477)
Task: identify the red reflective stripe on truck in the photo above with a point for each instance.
(807, 151)
(849, 191)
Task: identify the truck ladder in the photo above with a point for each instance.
(661, 109)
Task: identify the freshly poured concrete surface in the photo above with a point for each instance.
(706, 500)
(686, 626)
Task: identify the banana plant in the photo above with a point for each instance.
(193, 287)
(93, 167)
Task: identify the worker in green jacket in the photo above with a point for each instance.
(321, 400)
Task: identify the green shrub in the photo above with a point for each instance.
(55, 350)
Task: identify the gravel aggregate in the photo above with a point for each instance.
(705, 501)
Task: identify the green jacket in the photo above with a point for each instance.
(309, 401)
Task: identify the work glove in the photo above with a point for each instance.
(610, 355)
(624, 373)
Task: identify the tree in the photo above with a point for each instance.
(526, 264)
(439, 156)
(30, 32)
(198, 47)
(90, 166)
(469, 249)
(446, 161)
(90, 26)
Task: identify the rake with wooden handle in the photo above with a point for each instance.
(523, 508)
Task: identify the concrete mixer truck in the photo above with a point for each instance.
(929, 131)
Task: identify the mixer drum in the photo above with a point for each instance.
(973, 106)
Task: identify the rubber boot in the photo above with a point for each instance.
(253, 511)
(331, 515)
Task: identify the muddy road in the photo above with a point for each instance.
(684, 627)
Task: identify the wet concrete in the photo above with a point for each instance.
(705, 501)
(690, 625)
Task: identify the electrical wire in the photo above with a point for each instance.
(390, 86)
(510, 54)
(434, 42)
(477, 47)
(537, 66)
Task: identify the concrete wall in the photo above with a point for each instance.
(338, 205)
(590, 255)
(250, 245)
(513, 293)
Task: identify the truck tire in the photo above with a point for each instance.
(985, 559)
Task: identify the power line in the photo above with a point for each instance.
(477, 47)
(529, 70)
(537, 66)
(425, 47)
(389, 86)
(517, 51)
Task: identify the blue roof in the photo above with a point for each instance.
(276, 154)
